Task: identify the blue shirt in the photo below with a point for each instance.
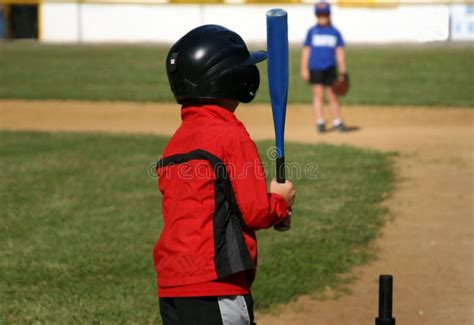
(323, 41)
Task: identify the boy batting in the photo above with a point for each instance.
(214, 190)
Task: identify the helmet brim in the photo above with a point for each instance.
(255, 57)
(322, 12)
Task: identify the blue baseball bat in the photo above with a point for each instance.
(277, 59)
(277, 48)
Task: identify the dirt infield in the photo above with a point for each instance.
(429, 245)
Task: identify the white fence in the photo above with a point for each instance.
(165, 23)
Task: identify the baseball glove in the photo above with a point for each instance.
(340, 86)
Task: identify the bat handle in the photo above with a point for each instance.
(280, 169)
(280, 177)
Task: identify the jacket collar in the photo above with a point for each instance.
(207, 112)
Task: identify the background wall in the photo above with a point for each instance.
(462, 22)
(158, 22)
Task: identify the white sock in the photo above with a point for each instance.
(320, 121)
(337, 122)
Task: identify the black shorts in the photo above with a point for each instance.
(324, 77)
(207, 310)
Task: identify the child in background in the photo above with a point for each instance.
(322, 61)
(213, 184)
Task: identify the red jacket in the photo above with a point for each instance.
(214, 198)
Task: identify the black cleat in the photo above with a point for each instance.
(341, 127)
(321, 128)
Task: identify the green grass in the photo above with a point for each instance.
(435, 75)
(80, 216)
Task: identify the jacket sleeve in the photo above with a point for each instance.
(259, 208)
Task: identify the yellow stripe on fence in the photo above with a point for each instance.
(368, 3)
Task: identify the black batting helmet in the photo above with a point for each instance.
(212, 62)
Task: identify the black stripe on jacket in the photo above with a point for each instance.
(231, 253)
